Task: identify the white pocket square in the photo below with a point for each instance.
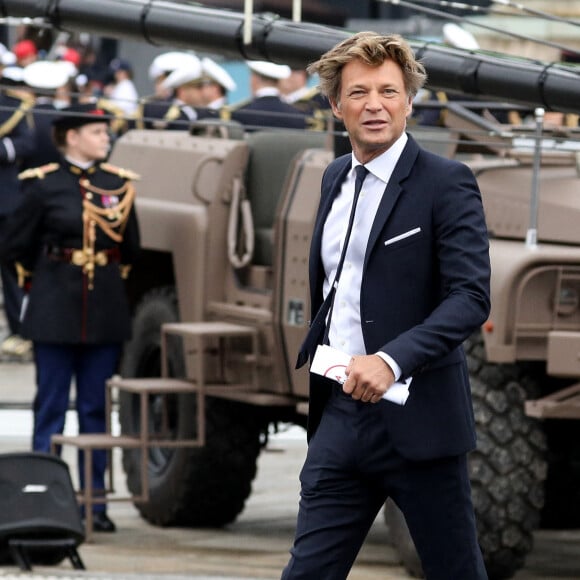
(400, 237)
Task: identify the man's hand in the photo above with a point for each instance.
(368, 378)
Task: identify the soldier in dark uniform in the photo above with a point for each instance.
(297, 92)
(162, 66)
(217, 85)
(151, 109)
(267, 109)
(151, 115)
(189, 104)
(16, 143)
(76, 234)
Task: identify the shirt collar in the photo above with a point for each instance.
(267, 92)
(83, 166)
(383, 165)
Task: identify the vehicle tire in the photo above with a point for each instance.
(507, 470)
(205, 486)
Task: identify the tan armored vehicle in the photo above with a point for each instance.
(221, 293)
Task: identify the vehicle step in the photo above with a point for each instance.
(563, 404)
(154, 385)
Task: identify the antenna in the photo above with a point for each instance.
(248, 14)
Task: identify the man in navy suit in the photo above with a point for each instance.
(412, 286)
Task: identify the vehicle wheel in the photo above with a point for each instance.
(507, 470)
(205, 486)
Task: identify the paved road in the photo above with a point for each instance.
(254, 547)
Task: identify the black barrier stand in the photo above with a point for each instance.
(20, 551)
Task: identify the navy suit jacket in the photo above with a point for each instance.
(422, 295)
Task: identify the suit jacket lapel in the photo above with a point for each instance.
(326, 201)
(392, 192)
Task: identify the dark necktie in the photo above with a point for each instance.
(319, 323)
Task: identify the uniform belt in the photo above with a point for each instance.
(79, 257)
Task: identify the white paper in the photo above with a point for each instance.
(331, 363)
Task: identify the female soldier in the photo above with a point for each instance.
(75, 235)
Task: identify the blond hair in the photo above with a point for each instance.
(372, 49)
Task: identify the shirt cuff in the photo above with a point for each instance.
(391, 362)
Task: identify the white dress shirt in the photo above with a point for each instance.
(186, 109)
(296, 95)
(345, 327)
(267, 92)
(125, 96)
(218, 103)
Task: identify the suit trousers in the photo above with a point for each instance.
(91, 366)
(350, 470)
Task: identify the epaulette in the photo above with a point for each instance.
(116, 114)
(226, 111)
(310, 94)
(25, 98)
(26, 103)
(109, 107)
(123, 173)
(173, 113)
(239, 104)
(38, 172)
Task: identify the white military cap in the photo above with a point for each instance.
(167, 62)
(458, 37)
(218, 74)
(269, 69)
(7, 58)
(13, 73)
(188, 73)
(48, 74)
(69, 66)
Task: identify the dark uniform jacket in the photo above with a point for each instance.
(269, 111)
(158, 114)
(187, 116)
(311, 102)
(16, 142)
(73, 299)
(43, 150)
